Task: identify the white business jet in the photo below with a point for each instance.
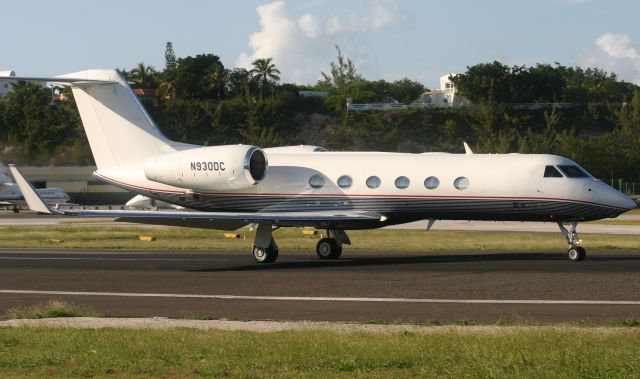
(235, 185)
(11, 196)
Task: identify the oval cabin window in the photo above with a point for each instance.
(431, 182)
(345, 181)
(316, 181)
(402, 182)
(461, 183)
(373, 182)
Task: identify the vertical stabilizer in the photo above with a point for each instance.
(119, 130)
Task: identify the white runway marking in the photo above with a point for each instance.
(320, 298)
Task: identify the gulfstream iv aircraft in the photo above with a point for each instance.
(229, 187)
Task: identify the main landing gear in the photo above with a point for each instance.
(330, 247)
(267, 254)
(576, 252)
(265, 249)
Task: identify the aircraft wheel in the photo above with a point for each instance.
(16, 209)
(328, 248)
(577, 253)
(262, 255)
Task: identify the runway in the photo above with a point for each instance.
(361, 286)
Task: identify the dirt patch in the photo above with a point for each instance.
(278, 326)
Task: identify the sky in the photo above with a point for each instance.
(386, 39)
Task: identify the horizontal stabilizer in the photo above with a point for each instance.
(58, 80)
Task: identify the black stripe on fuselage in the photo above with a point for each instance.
(403, 208)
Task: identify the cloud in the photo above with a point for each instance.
(616, 53)
(303, 46)
(617, 46)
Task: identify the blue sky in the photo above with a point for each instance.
(387, 39)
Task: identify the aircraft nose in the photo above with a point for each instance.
(619, 200)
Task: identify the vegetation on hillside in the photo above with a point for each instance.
(585, 114)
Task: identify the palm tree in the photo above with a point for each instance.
(265, 72)
(218, 79)
(167, 90)
(143, 76)
(124, 73)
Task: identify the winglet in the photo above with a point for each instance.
(31, 196)
(467, 149)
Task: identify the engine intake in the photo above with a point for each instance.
(212, 168)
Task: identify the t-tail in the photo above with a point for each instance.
(119, 129)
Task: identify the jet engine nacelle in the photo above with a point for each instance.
(211, 168)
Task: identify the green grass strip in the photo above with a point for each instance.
(523, 353)
(52, 308)
(126, 237)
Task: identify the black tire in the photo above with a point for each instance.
(576, 254)
(262, 255)
(328, 248)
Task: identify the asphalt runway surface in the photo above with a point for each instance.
(361, 286)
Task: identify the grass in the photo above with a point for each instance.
(631, 322)
(517, 352)
(615, 222)
(52, 308)
(126, 237)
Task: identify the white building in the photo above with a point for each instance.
(5, 85)
(443, 97)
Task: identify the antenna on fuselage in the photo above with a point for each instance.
(467, 149)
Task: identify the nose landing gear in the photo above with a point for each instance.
(576, 252)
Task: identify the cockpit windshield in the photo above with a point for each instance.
(573, 171)
(552, 172)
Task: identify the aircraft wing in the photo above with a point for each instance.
(208, 220)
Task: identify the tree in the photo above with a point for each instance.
(405, 90)
(167, 90)
(191, 73)
(264, 72)
(170, 60)
(256, 131)
(485, 82)
(342, 73)
(239, 82)
(143, 76)
(124, 73)
(33, 123)
(217, 80)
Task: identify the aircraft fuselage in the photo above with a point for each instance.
(403, 187)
